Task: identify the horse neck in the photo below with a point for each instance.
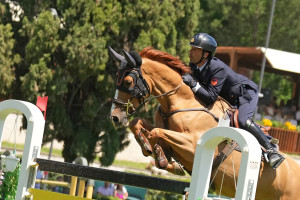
(162, 79)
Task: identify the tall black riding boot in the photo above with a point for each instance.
(275, 158)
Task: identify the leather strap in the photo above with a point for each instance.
(165, 116)
(219, 159)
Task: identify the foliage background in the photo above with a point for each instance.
(62, 54)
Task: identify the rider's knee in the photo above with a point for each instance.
(242, 121)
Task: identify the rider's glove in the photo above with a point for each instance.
(189, 80)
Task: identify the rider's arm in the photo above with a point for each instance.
(210, 92)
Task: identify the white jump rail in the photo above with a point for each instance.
(249, 167)
(33, 141)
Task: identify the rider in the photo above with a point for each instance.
(211, 78)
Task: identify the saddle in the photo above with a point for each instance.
(233, 114)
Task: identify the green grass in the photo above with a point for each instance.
(177, 178)
(44, 150)
(58, 152)
(130, 164)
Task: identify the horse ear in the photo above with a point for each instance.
(115, 54)
(130, 59)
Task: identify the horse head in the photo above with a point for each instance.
(132, 88)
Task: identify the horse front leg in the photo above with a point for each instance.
(164, 144)
(141, 129)
(181, 145)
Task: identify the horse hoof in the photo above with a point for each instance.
(178, 170)
(160, 158)
(144, 143)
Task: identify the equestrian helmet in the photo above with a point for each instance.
(204, 41)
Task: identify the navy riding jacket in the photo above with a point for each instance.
(218, 79)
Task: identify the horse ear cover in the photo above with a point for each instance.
(133, 58)
(136, 56)
(130, 59)
(115, 54)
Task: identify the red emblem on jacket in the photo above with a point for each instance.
(214, 81)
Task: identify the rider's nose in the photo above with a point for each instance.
(115, 119)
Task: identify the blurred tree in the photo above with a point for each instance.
(164, 25)
(235, 22)
(7, 61)
(66, 56)
(245, 23)
(285, 29)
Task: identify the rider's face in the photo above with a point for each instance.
(195, 54)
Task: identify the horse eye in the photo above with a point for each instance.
(128, 82)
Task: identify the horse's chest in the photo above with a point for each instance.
(182, 123)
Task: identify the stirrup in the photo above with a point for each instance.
(279, 162)
(274, 164)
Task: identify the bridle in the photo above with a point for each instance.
(139, 93)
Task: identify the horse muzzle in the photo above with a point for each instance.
(119, 118)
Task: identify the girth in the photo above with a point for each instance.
(166, 116)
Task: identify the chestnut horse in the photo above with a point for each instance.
(153, 72)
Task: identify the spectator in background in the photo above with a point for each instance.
(106, 190)
(290, 112)
(278, 116)
(39, 175)
(293, 107)
(285, 109)
(120, 191)
(297, 114)
(58, 189)
(269, 111)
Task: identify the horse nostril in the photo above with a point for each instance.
(115, 119)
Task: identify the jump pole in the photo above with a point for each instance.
(249, 167)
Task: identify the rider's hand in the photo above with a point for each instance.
(189, 80)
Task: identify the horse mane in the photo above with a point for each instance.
(165, 58)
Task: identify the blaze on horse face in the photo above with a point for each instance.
(131, 87)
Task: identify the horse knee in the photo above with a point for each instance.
(135, 125)
(155, 133)
(135, 122)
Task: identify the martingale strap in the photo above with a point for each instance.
(165, 116)
(219, 159)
